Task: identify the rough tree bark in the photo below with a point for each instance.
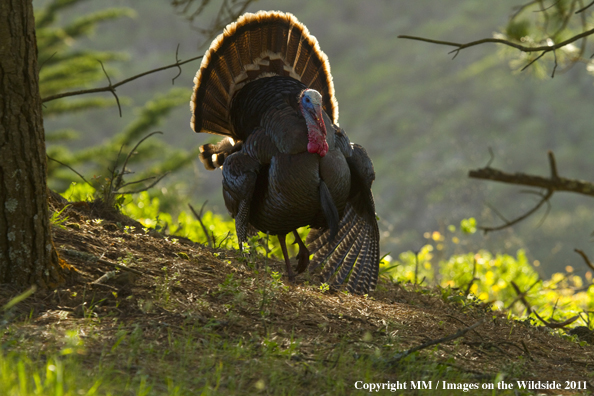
(27, 255)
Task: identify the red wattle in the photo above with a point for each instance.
(317, 147)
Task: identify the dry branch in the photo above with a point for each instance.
(522, 297)
(71, 168)
(523, 48)
(544, 49)
(116, 181)
(585, 8)
(551, 323)
(550, 184)
(585, 257)
(560, 184)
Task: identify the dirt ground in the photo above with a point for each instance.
(193, 280)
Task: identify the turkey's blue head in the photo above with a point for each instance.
(310, 104)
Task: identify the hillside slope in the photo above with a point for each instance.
(205, 320)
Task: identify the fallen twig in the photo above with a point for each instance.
(465, 324)
(555, 324)
(550, 323)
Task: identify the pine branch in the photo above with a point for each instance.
(112, 87)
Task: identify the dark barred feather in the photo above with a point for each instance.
(324, 248)
(352, 254)
(337, 256)
(319, 237)
(360, 268)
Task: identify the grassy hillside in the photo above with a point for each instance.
(185, 319)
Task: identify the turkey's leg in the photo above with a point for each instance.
(303, 255)
(290, 273)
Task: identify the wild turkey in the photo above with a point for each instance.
(266, 85)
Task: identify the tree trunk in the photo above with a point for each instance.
(27, 254)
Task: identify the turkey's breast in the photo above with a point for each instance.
(287, 194)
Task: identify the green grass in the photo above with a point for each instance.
(200, 361)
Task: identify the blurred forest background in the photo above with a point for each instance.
(425, 119)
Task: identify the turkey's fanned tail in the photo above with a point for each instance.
(257, 45)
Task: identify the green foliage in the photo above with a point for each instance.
(56, 218)
(488, 277)
(79, 192)
(197, 360)
(516, 30)
(14, 301)
(164, 286)
(468, 226)
(146, 210)
(20, 376)
(535, 24)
